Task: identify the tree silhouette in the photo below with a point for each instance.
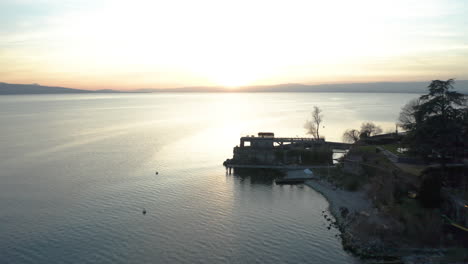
(407, 118)
(370, 129)
(313, 126)
(438, 128)
(351, 135)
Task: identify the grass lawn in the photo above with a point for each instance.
(366, 149)
(394, 149)
(347, 181)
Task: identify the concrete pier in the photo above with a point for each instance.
(266, 151)
(269, 166)
(280, 141)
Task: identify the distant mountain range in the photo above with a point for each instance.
(8, 88)
(375, 87)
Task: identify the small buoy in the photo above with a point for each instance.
(144, 211)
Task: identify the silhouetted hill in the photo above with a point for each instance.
(6, 88)
(194, 89)
(376, 87)
(107, 91)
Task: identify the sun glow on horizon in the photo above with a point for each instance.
(231, 73)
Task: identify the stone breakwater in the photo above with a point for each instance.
(365, 231)
(354, 212)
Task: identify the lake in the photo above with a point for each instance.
(76, 172)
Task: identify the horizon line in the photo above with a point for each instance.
(222, 88)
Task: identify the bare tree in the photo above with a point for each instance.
(407, 118)
(370, 129)
(313, 126)
(351, 135)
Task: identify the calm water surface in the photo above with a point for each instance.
(76, 171)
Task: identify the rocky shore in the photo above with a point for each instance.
(365, 231)
(349, 208)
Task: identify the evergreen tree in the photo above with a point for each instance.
(439, 118)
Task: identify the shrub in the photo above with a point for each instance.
(352, 185)
(430, 191)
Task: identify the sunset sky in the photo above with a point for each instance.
(94, 44)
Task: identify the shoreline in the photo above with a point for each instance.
(359, 212)
(355, 202)
(349, 210)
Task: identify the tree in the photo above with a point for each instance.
(437, 125)
(407, 118)
(439, 120)
(313, 126)
(367, 129)
(465, 126)
(370, 129)
(351, 135)
(429, 193)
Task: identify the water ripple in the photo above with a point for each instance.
(76, 175)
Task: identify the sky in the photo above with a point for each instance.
(99, 44)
